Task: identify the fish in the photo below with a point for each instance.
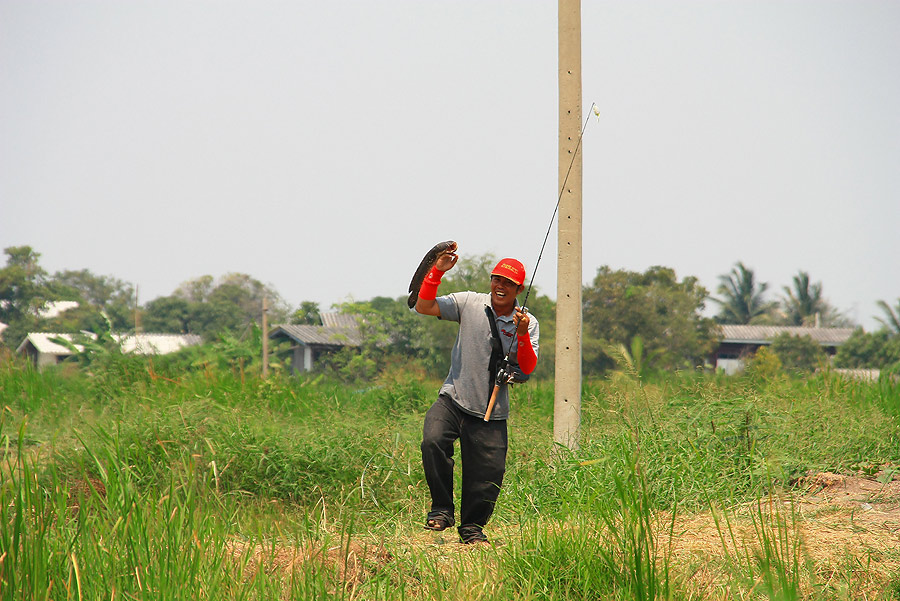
(425, 266)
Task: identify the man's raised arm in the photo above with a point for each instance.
(426, 303)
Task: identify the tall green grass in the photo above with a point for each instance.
(136, 480)
(98, 534)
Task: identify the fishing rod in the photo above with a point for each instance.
(503, 374)
(596, 110)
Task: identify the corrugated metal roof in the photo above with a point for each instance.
(155, 344)
(53, 308)
(142, 344)
(43, 344)
(766, 334)
(331, 336)
(338, 320)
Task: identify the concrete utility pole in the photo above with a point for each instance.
(137, 311)
(567, 399)
(265, 337)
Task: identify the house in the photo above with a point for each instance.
(740, 341)
(49, 310)
(53, 309)
(309, 343)
(42, 350)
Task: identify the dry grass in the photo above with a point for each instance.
(351, 564)
(847, 526)
(848, 530)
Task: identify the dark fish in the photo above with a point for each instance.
(425, 266)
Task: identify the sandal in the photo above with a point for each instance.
(470, 535)
(438, 522)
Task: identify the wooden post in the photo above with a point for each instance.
(567, 396)
(265, 337)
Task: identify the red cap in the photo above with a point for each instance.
(510, 269)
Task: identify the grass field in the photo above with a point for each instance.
(130, 480)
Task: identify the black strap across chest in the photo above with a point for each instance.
(496, 346)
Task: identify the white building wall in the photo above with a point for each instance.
(730, 366)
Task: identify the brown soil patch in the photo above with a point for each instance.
(845, 529)
(351, 563)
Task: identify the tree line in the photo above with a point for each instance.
(652, 312)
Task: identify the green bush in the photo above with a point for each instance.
(876, 350)
(764, 364)
(798, 353)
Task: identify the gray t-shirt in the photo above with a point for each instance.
(468, 383)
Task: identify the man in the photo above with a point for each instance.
(462, 402)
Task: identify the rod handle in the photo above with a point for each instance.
(490, 407)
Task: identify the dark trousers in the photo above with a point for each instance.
(482, 447)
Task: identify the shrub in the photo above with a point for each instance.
(764, 364)
(798, 353)
(877, 350)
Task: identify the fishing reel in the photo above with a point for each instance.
(510, 374)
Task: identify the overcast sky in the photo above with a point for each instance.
(323, 147)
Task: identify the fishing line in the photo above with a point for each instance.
(594, 109)
(503, 375)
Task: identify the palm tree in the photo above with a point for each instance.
(804, 301)
(743, 301)
(892, 316)
(804, 305)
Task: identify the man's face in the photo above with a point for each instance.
(503, 294)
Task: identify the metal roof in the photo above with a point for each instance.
(155, 344)
(42, 342)
(329, 336)
(339, 320)
(141, 344)
(338, 329)
(53, 308)
(742, 334)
